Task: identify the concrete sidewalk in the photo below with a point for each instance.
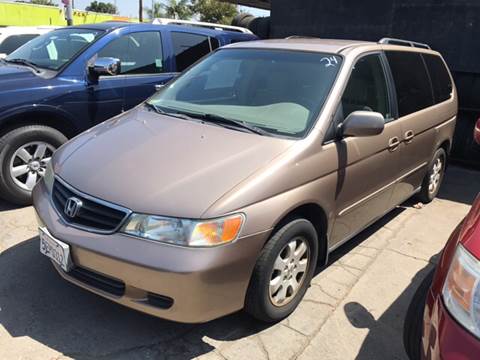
(353, 310)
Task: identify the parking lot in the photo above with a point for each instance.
(353, 310)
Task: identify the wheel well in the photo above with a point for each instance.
(445, 146)
(55, 121)
(317, 216)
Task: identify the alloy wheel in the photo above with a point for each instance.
(289, 271)
(29, 162)
(435, 176)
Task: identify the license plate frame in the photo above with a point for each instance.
(56, 250)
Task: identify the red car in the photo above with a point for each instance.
(450, 302)
(443, 320)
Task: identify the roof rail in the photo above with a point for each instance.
(164, 21)
(392, 41)
(300, 37)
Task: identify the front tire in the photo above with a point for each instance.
(434, 177)
(413, 325)
(24, 155)
(283, 272)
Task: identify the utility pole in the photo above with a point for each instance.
(68, 11)
(140, 10)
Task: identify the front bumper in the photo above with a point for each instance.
(443, 338)
(204, 283)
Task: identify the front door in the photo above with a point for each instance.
(142, 65)
(368, 166)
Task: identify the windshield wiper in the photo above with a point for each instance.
(212, 118)
(24, 62)
(158, 110)
(218, 119)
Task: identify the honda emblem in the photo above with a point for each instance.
(72, 207)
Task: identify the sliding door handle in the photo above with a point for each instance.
(393, 143)
(409, 135)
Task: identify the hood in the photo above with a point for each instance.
(12, 72)
(157, 164)
(17, 79)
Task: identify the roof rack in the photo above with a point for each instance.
(163, 21)
(392, 41)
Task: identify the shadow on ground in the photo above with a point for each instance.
(375, 345)
(460, 185)
(5, 206)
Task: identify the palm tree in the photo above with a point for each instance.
(156, 11)
(177, 9)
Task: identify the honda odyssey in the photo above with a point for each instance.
(226, 188)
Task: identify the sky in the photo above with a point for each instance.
(130, 7)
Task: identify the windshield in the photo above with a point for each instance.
(56, 48)
(278, 91)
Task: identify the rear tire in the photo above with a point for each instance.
(434, 177)
(16, 188)
(294, 248)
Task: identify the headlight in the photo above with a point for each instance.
(49, 177)
(461, 291)
(185, 232)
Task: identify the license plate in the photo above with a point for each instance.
(55, 249)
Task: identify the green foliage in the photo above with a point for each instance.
(156, 11)
(43, 2)
(177, 9)
(101, 7)
(214, 11)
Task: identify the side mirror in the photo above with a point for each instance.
(363, 123)
(476, 132)
(105, 66)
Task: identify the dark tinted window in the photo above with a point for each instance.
(13, 42)
(412, 82)
(367, 88)
(215, 43)
(188, 48)
(139, 53)
(441, 82)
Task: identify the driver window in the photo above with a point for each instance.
(139, 53)
(366, 90)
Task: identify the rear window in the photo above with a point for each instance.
(13, 42)
(441, 81)
(412, 82)
(188, 48)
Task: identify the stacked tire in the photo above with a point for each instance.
(260, 26)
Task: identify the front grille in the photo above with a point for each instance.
(96, 280)
(92, 214)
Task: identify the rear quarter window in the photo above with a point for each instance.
(412, 82)
(441, 81)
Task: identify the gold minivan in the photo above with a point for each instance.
(232, 183)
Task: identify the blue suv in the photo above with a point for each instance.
(64, 82)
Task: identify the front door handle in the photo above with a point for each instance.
(393, 143)
(409, 135)
(159, 86)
